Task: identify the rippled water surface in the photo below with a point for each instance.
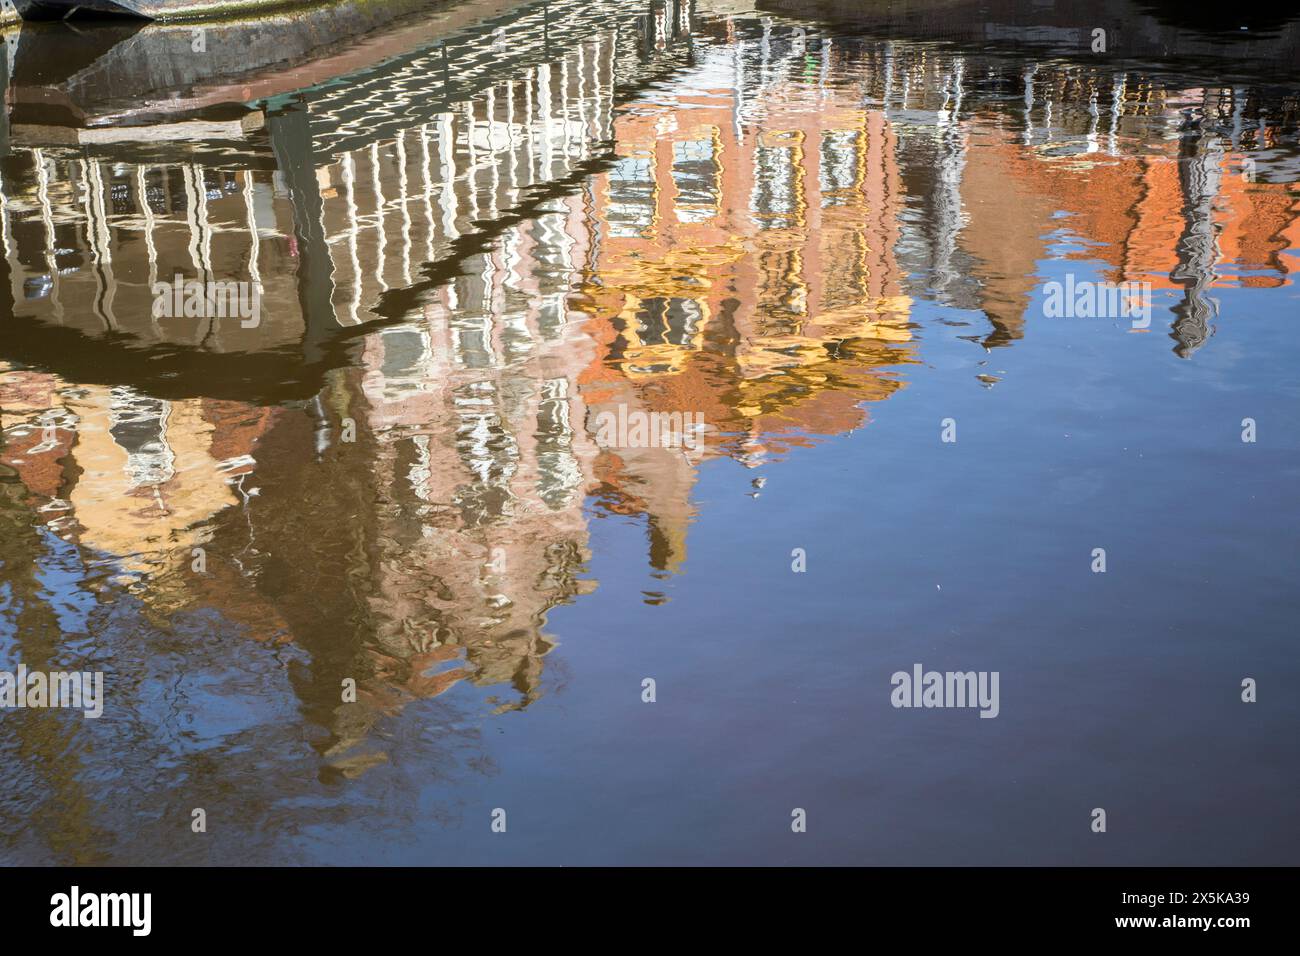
(477, 239)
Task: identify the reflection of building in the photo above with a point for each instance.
(324, 200)
(469, 449)
(476, 420)
(393, 207)
(746, 242)
(341, 212)
(1155, 197)
(122, 473)
(745, 269)
(1162, 185)
(791, 212)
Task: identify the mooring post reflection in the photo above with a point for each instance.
(380, 410)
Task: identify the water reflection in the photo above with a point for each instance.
(466, 253)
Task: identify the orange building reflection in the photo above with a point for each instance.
(746, 236)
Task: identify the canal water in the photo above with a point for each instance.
(991, 342)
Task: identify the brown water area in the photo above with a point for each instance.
(370, 553)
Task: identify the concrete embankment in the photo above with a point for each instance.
(15, 11)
